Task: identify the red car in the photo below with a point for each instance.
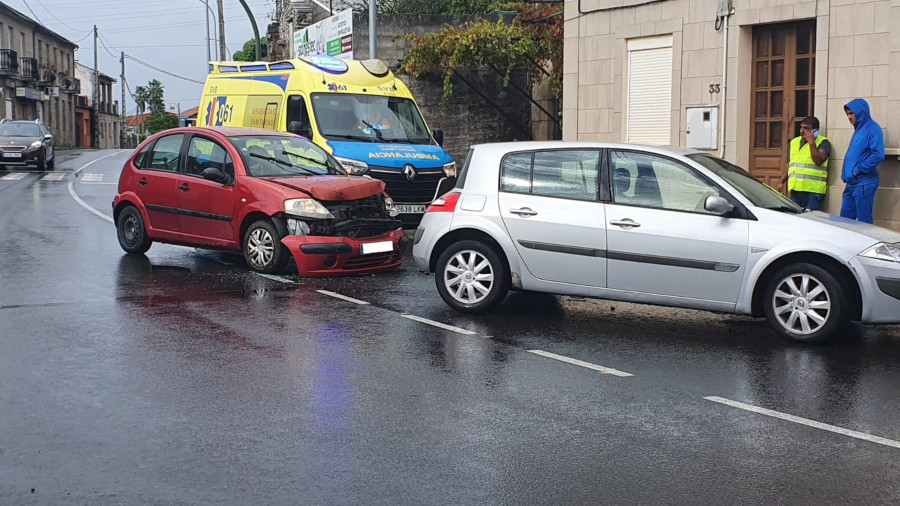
(266, 194)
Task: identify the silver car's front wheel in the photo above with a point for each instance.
(471, 277)
(804, 302)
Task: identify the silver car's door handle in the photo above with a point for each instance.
(523, 212)
(626, 223)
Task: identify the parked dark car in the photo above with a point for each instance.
(26, 142)
(266, 194)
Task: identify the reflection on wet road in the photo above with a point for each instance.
(181, 377)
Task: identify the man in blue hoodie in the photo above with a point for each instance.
(860, 171)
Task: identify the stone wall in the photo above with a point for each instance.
(482, 112)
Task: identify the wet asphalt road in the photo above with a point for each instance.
(180, 378)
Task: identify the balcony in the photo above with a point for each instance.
(47, 76)
(28, 69)
(9, 62)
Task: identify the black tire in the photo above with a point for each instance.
(132, 232)
(41, 164)
(51, 163)
(805, 303)
(471, 277)
(262, 248)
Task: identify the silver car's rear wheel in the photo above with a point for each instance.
(471, 277)
(804, 302)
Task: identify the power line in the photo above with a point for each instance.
(33, 14)
(100, 37)
(88, 34)
(54, 17)
(161, 70)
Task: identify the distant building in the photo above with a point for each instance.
(104, 115)
(189, 117)
(37, 75)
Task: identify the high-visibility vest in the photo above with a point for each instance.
(803, 173)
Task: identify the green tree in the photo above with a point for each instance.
(248, 53)
(142, 97)
(533, 41)
(160, 121)
(478, 7)
(155, 92)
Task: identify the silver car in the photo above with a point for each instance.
(655, 225)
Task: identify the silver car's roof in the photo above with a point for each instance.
(534, 145)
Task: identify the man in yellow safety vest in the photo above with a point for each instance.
(807, 174)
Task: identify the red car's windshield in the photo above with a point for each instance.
(279, 156)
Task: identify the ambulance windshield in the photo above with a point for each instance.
(369, 118)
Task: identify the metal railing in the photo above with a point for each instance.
(28, 69)
(9, 61)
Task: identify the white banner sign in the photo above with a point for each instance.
(330, 37)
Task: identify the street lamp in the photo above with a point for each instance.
(215, 30)
(173, 108)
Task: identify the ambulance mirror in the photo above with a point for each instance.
(296, 127)
(438, 136)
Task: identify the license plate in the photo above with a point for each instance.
(409, 209)
(12, 155)
(376, 247)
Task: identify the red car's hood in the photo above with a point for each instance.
(331, 188)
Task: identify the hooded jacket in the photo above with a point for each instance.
(866, 149)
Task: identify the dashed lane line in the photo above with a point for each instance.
(581, 363)
(276, 278)
(343, 297)
(439, 325)
(805, 421)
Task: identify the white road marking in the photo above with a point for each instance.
(276, 278)
(15, 176)
(581, 363)
(83, 203)
(805, 421)
(343, 297)
(91, 177)
(439, 325)
(54, 176)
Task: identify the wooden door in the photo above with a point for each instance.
(783, 81)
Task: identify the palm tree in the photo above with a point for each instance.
(142, 97)
(155, 97)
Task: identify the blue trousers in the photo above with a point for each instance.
(857, 202)
(808, 200)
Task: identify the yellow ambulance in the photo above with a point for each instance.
(355, 109)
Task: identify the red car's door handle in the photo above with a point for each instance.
(142, 181)
(184, 187)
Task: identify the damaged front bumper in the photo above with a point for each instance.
(318, 255)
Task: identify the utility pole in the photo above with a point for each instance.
(222, 29)
(372, 39)
(208, 56)
(123, 119)
(96, 94)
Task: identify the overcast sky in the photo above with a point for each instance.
(168, 34)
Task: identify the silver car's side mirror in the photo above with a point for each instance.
(718, 205)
